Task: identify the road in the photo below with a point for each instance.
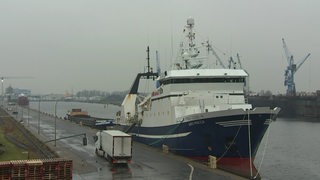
(147, 163)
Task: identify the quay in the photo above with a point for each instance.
(147, 162)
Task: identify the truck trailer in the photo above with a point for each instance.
(114, 145)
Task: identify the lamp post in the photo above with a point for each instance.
(2, 97)
(55, 123)
(28, 114)
(39, 115)
(22, 114)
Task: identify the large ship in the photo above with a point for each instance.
(198, 109)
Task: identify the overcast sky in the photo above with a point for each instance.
(71, 45)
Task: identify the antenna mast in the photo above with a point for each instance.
(148, 59)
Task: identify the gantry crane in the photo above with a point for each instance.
(292, 68)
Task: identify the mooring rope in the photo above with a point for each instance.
(225, 152)
(265, 148)
(249, 143)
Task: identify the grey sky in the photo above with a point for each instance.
(98, 44)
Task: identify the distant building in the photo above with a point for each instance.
(23, 100)
(18, 91)
(12, 94)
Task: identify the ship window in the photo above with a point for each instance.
(217, 97)
(221, 96)
(201, 80)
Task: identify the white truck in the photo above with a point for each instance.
(114, 145)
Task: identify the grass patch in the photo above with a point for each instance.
(12, 152)
(17, 145)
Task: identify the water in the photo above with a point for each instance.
(94, 109)
(291, 146)
(292, 150)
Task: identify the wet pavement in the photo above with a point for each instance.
(147, 163)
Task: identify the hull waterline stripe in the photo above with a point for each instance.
(162, 136)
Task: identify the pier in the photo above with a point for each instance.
(147, 162)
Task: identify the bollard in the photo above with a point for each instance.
(212, 162)
(165, 148)
(84, 141)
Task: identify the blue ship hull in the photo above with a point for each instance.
(225, 137)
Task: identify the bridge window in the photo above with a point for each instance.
(201, 80)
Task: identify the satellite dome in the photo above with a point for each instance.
(190, 21)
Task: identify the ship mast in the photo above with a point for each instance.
(146, 75)
(148, 59)
(188, 50)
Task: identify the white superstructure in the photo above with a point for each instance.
(192, 86)
(198, 108)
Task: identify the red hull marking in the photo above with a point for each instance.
(236, 165)
(240, 166)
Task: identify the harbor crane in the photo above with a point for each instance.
(233, 63)
(292, 68)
